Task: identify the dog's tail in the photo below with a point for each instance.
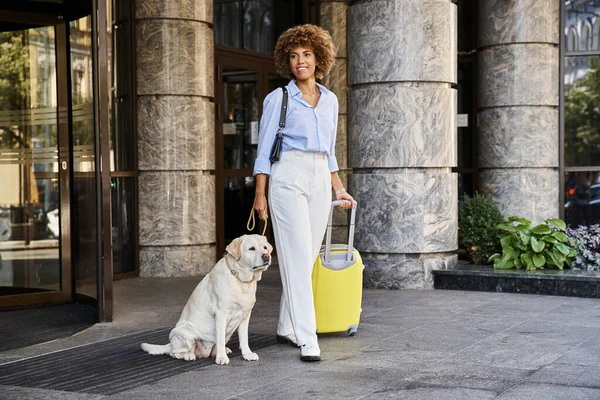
(156, 349)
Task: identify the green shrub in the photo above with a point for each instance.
(477, 232)
(545, 245)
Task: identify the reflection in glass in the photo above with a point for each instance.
(466, 16)
(227, 23)
(83, 199)
(465, 106)
(582, 111)
(582, 198)
(240, 118)
(258, 26)
(239, 198)
(246, 24)
(123, 225)
(29, 195)
(581, 34)
(121, 115)
(465, 185)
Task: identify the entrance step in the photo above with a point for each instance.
(574, 283)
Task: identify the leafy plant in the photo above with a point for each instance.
(545, 245)
(587, 242)
(477, 232)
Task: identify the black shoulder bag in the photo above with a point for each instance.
(276, 149)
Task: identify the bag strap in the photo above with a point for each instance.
(284, 103)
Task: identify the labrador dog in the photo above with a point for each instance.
(221, 303)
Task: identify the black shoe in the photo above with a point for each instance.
(286, 340)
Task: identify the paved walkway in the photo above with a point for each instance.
(410, 345)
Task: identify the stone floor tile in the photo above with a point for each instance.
(428, 393)
(568, 375)
(19, 393)
(468, 375)
(514, 350)
(533, 391)
(321, 383)
(587, 354)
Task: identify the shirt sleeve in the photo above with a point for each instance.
(332, 161)
(269, 123)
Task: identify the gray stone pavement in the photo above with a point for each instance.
(410, 344)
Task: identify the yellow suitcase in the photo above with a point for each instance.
(337, 280)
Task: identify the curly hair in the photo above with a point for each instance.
(317, 38)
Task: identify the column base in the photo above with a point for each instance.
(404, 271)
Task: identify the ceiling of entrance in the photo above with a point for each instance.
(31, 13)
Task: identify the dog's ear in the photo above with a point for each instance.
(235, 248)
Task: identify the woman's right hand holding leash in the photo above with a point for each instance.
(260, 205)
(260, 198)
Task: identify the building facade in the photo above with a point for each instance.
(438, 99)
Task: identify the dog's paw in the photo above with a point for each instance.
(250, 356)
(222, 360)
(227, 350)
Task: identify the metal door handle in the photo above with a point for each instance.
(64, 165)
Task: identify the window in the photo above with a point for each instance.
(572, 40)
(586, 37)
(254, 25)
(581, 122)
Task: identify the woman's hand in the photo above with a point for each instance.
(260, 205)
(347, 200)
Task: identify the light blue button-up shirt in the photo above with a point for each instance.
(307, 128)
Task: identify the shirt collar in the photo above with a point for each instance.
(294, 91)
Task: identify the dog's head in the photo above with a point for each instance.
(252, 254)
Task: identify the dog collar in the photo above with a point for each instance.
(234, 273)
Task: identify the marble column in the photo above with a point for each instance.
(518, 106)
(175, 122)
(332, 17)
(402, 138)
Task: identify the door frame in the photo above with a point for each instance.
(263, 65)
(64, 154)
(104, 278)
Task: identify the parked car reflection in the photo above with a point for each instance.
(582, 198)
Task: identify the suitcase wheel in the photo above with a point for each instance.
(352, 330)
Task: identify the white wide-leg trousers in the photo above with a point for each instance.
(299, 200)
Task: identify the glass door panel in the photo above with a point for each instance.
(29, 199)
(239, 198)
(240, 118)
(240, 105)
(241, 87)
(83, 201)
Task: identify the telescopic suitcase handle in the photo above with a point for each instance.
(350, 234)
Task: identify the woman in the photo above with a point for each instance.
(301, 181)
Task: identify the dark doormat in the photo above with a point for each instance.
(111, 366)
(24, 327)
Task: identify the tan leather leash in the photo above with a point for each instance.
(252, 220)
